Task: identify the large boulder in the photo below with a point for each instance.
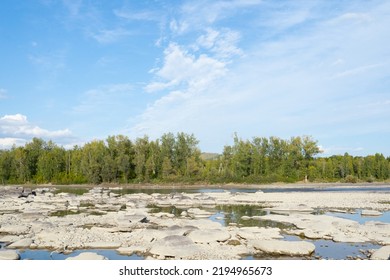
(87, 256)
(175, 246)
(381, 254)
(9, 255)
(282, 247)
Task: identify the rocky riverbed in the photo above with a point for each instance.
(102, 218)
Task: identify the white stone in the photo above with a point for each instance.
(210, 235)
(175, 246)
(371, 213)
(381, 254)
(9, 255)
(14, 230)
(102, 245)
(23, 243)
(282, 247)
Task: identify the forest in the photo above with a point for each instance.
(177, 159)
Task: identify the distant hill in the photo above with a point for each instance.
(209, 156)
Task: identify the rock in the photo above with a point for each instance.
(282, 247)
(175, 246)
(23, 243)
(102, 245)
(136, 218)
(131, 250)
(210, 235)
(198, 213)
(9, 255)
(9, 238)
(371, 213)
(259, 233)
(87, 256)
(14, 230)
(381, 254)
(184, 214)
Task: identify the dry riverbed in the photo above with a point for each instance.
(103, 218)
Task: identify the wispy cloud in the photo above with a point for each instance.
(280, 85)
(3, 93)
(103, 98)
(73, 6)
(108, 36)
(136, 15)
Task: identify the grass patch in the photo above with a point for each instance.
(384, 202)
(63, 213)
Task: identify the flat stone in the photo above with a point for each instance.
(282, 247)
(87, 256)
(9, 238)
(23, 243)
(14, 230)
(102, 245)
(371, 213)
(210, 235)
(198, 213)
(381, 254)
(131, 250)
(259, 233)
(9, 255)
(175, 246)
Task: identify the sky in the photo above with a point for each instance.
(72, 71)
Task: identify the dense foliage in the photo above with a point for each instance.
(177, 158)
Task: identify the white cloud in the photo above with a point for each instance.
(135, 15)
(7, 143)
(180, 67)
(18, 125)
(282, 86)
(222, 43)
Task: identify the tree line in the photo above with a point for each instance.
(177, 159)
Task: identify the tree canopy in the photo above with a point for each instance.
(177, 158)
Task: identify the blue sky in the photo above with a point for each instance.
(77, 70)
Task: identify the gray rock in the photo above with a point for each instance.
(87, 256)
(381, 254)
(282, 247)
(9, 255)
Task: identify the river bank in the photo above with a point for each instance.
(191, 225)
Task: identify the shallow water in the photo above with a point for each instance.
(357, 217)
(49, 255)
(123, 191)
(328, 249)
